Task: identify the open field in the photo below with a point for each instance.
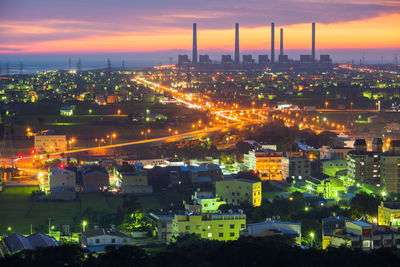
(18, 212)
(92, 121)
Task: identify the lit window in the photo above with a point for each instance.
(209, 235)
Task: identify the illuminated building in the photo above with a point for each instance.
(267, 163)
(389, 213)
(50, 143)
(341, 231)
(330, 167)
(214, 226)
(208, 202)
(239, 190)
(325, 186)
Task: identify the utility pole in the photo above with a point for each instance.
(49, 225)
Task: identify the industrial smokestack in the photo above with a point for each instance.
(194, 51)
(313, 42)
(272, 42)
(281, 48)
(237, 59)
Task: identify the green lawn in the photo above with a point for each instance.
(18, 212)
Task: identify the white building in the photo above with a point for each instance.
(97, 239)
(50, 143)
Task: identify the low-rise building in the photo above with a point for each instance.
(214, 226)
(133, 180)
(208, 202)
(66, 111)
(341, 231)
(389, 213)
(61, 183)
(95, 178)
(16, 242)
(98, 239)
(237, 191)
(325, 186)
(273, 228)
(162, 225)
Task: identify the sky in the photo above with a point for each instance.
(55, 27)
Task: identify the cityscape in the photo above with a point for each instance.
(164, 145)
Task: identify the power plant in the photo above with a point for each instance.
(306, 62)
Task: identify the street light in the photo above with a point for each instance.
(113, 136)
(326, 104)
(84, 223)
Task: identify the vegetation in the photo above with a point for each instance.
(191, 251)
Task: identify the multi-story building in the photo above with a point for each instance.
(265, 162)
(364, 166)
(295, 167)
(390, 168)
(239, 190)
(50, 143)
(389, 213)
(215, 226)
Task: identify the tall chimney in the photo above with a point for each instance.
(237, 59)
(272, 42)
(281, 50)
(313, 42)
(194, 51)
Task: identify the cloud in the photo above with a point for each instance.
(30, 23)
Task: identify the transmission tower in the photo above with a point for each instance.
(7, 69)
(7, 147)
(79, 65)
(108, 66)
(21, 67)
(123, 65)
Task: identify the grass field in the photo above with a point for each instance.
(18, 212)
